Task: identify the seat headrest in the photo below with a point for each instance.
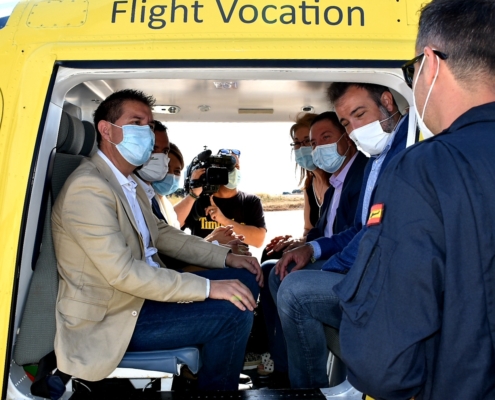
(89, 146)
(70, 135)
(72, 109)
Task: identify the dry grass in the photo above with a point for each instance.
(270, 202)
(281, 202)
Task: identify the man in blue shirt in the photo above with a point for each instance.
(419, 303)
(305, 299)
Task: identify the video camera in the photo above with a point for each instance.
(217, 170)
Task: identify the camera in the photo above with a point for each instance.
(217, 170)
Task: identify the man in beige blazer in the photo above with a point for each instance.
(114, 293)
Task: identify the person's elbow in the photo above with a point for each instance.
(384, 383)
(257, 238)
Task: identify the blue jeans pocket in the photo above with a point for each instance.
(361, 287)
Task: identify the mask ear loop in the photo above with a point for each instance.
(109, 141)
(431, 87)
(386, 119)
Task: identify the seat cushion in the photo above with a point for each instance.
(333, 343)
(163, 360)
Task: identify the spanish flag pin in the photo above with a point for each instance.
(376, 214)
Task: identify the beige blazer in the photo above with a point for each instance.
(104, 279)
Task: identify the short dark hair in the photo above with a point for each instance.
(159, 126)
(110, 109)
(329, 116)
(176, 152)
(464, 30)
(337, 89)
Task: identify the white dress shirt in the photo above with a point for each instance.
(129, 187)
(150, 193)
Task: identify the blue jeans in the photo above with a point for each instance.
(276, 340)
(217, 326)
(305, 302)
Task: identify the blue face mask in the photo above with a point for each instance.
(167, 185)
(304, 158)
(137, 143)
(327, 158)
(234, 179)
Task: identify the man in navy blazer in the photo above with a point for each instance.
(335, 153)
(349, 199)
(305, 299)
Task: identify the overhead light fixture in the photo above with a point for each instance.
(204, 108)
(225, 84)
(308, 109)
(166, 109)
(255, 110)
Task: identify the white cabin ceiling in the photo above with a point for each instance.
(285, 98)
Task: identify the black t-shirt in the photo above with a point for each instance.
(243, 208)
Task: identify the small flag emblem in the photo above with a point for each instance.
(376, 214)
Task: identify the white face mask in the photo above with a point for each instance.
(234, 179)
(370, 138)
(155, 168)
(427, 133)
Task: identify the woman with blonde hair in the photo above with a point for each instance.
(315, 184)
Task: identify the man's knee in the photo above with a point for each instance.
(274, 283)
(274, 280)
(288, 293)
(249, 279)
(242, 320)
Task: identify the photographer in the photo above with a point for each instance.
(226, 205)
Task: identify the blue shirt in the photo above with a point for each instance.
(375, 171)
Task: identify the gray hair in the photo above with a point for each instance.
(464, 30)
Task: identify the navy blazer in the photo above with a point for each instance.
(344, 246)
(418, 314)
(349, 198)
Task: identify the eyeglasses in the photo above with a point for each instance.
(230, 151)
(408, 67)
(304, 143)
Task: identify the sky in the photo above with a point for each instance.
(6, 7)
(266, 162)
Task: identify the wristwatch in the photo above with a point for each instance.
(312, 259)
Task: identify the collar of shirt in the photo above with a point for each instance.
(126, 182)
(148, 189)
(338, 180)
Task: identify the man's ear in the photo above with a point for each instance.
(104, 129)
(387, 101)
(430, 66)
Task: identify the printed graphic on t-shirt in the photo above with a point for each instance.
(206, 224)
